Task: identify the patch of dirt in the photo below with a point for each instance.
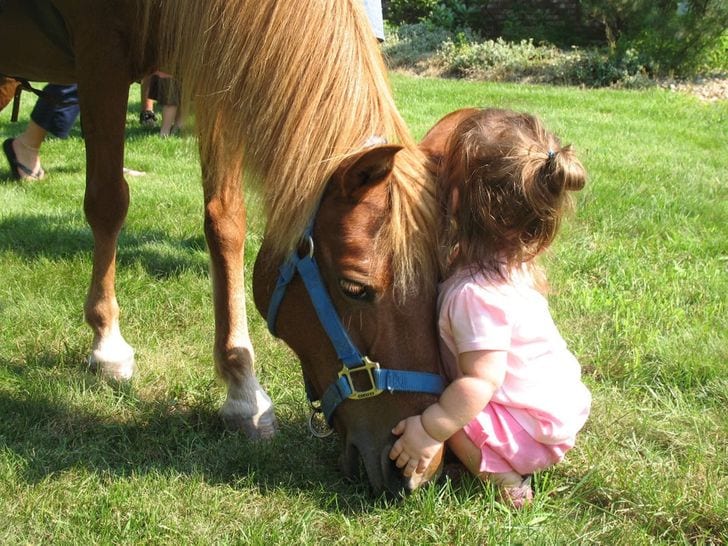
(707, 89)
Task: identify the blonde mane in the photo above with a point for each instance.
(297, 87)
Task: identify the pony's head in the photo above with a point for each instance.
(384, 299)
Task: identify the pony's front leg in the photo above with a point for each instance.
(247, 407)
(103, 105)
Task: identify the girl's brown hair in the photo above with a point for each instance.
(505, 179)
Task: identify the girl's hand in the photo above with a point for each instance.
(415, 448)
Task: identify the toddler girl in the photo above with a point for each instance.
(515, 400)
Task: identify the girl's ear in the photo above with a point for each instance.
(367, 168)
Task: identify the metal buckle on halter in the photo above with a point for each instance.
(366, 366)
(317, 425)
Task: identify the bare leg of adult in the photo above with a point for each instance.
(147, 117)
(26, 147)
(169, 116)
(179, 121)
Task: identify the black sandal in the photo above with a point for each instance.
(18, 171)
(147, 118)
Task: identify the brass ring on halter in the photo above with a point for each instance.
(317, 424)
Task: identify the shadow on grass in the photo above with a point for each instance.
(133, 131)
(7, 179)
(50, 435)
(56, 237)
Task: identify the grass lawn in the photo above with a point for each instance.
(639, 289)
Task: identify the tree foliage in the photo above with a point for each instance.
(669, 35)
(666, 36)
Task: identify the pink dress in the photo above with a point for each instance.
(532, 419)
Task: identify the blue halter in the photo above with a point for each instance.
(380, 379)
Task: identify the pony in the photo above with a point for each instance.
(8, 89)
(293, 99)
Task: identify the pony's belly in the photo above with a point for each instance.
(34, 44)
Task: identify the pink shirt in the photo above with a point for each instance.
(542, 388)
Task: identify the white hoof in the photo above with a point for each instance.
(256, 420)
(256, 428)
(116, 370)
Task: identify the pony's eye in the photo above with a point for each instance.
(355, 290)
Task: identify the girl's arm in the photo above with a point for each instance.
(423, 435)
(483, 373)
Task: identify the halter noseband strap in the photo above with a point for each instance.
(353, 362)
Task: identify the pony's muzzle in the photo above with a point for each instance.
(374, 466)
(362, 459)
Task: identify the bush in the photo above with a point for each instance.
(599, 68)
(427, 49)
(716, 57)
(670, 37)
(673, 37)
(539, 20)
(410, 44)
(491, 59)
(407, 11)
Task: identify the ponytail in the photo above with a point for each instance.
(567, 168)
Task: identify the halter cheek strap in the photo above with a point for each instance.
(379, 379)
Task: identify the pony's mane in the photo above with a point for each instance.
(297, 87)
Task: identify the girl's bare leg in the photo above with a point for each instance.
(469, 454)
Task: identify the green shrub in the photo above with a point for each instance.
(427, 49)
(526, 21)
(409, 44)
(407, 11)
(674, 37)
(492, 59)
(716, 57)
(671, 37)
(498, 60)
(599, 68)
(529, 19)
(458, 15)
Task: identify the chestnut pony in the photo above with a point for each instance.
(299, 91)
(8, 87)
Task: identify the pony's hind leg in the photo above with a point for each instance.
(103, 99)
(247, 407)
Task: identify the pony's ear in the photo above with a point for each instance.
(369, 167)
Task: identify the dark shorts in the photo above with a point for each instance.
(164, 90)
(58, 113)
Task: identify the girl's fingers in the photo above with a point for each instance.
(402, 460)
(399, 429)
(410, 468)
(396, 450)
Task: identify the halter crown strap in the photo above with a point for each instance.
(309, 271)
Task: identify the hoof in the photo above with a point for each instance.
(256, 428)
(120, 370)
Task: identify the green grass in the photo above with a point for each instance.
(639, 290)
